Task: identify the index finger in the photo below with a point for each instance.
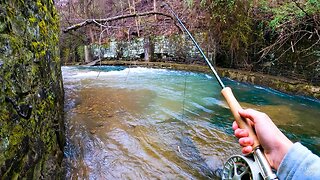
(235, 125)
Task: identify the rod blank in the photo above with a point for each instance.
(196, 44)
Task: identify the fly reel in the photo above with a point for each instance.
(240, 167)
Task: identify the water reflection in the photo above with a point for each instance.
(158, 124)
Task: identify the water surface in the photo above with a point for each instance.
(139, 123)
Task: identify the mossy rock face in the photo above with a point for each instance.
(31, 91)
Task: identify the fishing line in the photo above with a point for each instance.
(184, 96)
(106, 26)
(100, 37)
(127, 73)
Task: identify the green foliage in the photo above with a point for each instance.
(80, 53)
(284, 13)
(292, 11)
(313, 6)
(239, 26)
(248, 31)
(190, 3)
(70, 46)
(232, 25)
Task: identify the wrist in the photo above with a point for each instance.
(284, 147)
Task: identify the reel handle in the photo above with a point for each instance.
(242, 122)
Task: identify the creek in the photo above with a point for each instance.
(140, 123)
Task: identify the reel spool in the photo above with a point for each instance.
(240, 167)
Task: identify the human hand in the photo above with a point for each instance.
(274, 143)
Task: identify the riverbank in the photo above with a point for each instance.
(282, 84)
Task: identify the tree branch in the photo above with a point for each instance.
(298, 5)
(92, 21)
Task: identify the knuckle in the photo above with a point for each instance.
(264, 115)
(250, 110)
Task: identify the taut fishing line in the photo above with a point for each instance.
(100, 37)
(184, 96)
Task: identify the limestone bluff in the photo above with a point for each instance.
(31, 91)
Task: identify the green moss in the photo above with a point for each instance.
(31, 75)
(17, 135)
(39, 3)
(43, 27)
(32, 20)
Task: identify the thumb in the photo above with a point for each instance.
(249, 114)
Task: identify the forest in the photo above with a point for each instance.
(279, 38)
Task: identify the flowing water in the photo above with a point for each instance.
(139, 123)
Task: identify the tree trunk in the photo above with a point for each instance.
(214, 53)
(155, 9)
(136, 18)
(88, 15)
(91, 34)
(148, 49)
(87, 57)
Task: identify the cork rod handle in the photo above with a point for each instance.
(235, 107)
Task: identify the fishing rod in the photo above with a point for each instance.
(236, 166)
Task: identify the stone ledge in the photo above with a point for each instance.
(282, 84)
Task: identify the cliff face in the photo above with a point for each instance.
(31, 91)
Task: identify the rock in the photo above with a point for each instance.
(29, 64)
(132, 125)
(93, 131)
(100, 125)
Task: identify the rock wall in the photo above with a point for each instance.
(31, 91)
(174, 48)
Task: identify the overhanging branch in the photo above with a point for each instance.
(92, 21)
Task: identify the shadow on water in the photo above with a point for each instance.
(189, 154)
